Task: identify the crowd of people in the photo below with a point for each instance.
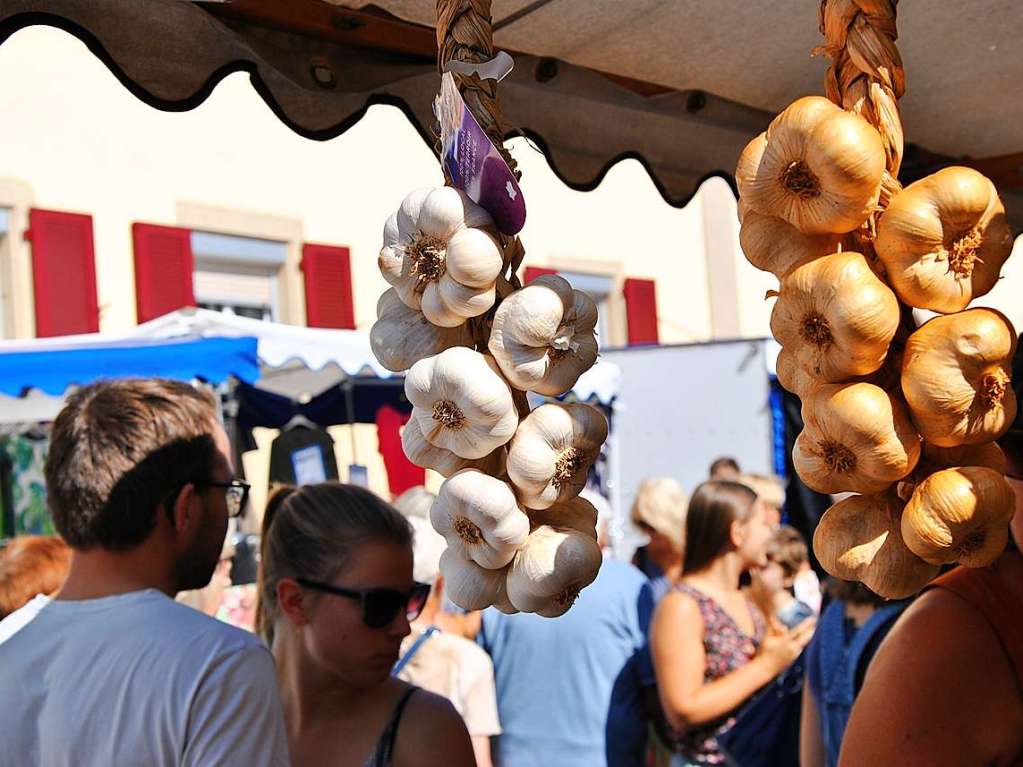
(717, 644)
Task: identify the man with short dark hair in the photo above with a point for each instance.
(112, 671)
(726, 468)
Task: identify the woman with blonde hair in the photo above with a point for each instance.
(710, 647)
(659, 512)
(770, 491)
(336, 597)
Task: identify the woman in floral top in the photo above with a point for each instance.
(711, 649)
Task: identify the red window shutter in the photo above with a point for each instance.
(163, 270)
(328, 287)
(532, 272)
(641, 311)
(63, 272)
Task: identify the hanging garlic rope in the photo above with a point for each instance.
(866, 74)
(465, 33)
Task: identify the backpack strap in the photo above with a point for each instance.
(410, 652)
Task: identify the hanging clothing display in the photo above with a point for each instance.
(26, 454)
(332, 407)
(401, 472)
(303, 454)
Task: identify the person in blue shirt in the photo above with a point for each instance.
(568, 688)
(848, 635)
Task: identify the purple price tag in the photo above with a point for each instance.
(474, 164)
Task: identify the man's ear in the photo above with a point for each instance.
(187, 509)
(291, 602)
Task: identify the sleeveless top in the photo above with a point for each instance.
(381, 756)
(727, 648)
(835, 662)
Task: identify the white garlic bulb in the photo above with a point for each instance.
(552, 451)
(551, 569)
(461, 402)
(402, 336)
(543, 336)
(440, 256)
(480, 518)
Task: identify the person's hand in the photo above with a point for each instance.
(780, 648)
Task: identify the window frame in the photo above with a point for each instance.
(288, 302)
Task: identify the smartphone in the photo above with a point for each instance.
(794, 613)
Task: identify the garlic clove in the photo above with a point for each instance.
(463, 300)
(574, 514)
(438, 312)
(410, 209)
(470, 586)
(420, 452)
(446, 211)
(746, 170)
(392, 234)
(474, 259)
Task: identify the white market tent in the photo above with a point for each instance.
(278, 347)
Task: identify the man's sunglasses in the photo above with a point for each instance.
(236, 494)
(379, 606)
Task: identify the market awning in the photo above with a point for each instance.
(298, 361)
(682, 86)
(278, 343)
(53, 367)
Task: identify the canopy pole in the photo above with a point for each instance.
(866, 76)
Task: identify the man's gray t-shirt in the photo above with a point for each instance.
(135, 679)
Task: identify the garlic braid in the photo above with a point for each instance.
(866, 74)
(465, 33)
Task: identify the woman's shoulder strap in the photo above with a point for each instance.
(385, 746)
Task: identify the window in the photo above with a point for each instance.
(237, 275)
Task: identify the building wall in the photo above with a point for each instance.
(85, 144)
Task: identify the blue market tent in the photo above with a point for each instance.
(53, 368)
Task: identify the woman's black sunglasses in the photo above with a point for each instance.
(379, 606)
